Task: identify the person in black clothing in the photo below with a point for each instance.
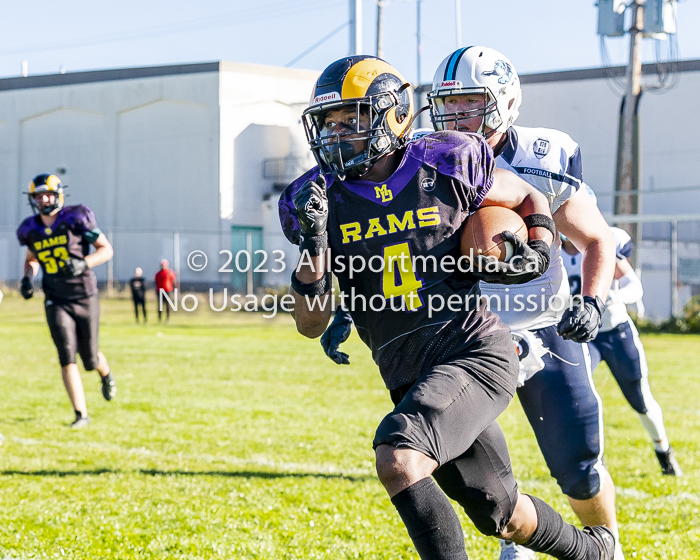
(138, 293)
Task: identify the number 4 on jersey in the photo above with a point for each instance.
(398, 278)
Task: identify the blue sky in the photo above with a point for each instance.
(537, 35)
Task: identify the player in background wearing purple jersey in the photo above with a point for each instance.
(451, 372)
(58, 241)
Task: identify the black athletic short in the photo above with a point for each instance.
(443, 412)
(74, 328)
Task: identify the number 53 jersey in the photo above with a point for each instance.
(69, 236)
(395, 245)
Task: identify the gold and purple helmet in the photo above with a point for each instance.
(370, 86)
(46, 183)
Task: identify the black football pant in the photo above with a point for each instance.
(139, 301)
(74, 328)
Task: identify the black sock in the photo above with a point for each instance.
(107, 378)
(431, 521)
(557, 538)
(79, 415)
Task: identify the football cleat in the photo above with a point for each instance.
(604, 540)
(80, 422)
(669, 465)
(512, 551)
(109, 387)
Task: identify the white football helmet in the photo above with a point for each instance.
(477, 70)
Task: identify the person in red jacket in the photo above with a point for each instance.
(165, 282)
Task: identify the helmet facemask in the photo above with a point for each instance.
(353, 153)
(490, 116)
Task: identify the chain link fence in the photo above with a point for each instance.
(251, 260)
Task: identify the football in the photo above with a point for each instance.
(482, 232)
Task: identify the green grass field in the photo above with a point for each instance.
(234, 437)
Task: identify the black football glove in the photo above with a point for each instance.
(581, 321)
(529, 261)
(338, 332)
(26, 288)
(72, 267)
(311, 203)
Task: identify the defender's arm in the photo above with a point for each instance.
(581, 221)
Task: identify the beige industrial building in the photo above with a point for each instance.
(165, 156)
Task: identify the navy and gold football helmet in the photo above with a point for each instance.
(378, 95)
(46, 183)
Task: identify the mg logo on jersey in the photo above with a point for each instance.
(427, 184)
(384, 193)
(541, 147)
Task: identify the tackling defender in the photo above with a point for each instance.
(618, 344)
(450, 374)
(58, 241)
(477, 90)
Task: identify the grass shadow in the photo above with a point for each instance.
(155, 472)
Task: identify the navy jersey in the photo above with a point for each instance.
(69, 236)
(407, 232)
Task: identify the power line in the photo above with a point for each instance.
(317, 44)
(238, 17)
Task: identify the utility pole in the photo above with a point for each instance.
(380, 28)
(418, 45)
(628, 203)
(458, 23)
(417, 93)
(355, 27)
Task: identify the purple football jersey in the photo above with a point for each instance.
(414, 217)
(70, 235)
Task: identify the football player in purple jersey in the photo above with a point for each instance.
(58, 240)
(450, 370)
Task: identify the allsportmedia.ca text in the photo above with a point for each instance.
(406, 263)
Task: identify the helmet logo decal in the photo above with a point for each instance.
(427, 184)
(540, 147)
(331, 96)
(384, 193)
(450, 84)
(501, 69)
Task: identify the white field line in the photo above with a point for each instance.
(282, 466)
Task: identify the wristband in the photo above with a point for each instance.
(317, 288)
(540, 220)
(315, 244)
